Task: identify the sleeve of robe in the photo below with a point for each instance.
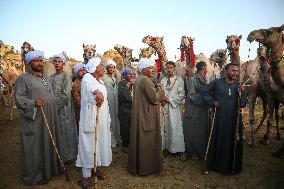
(63, 98)
(177, 99)
(150, 91)
(206, 93)
(194, 96)
(25, 105)
(88, 102)
(75, 93)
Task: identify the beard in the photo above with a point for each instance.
(37, 68)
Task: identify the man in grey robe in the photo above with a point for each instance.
(196, 119)
(32, 90)
(62, 85)
(111, 84)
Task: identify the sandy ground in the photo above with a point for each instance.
(260, 169)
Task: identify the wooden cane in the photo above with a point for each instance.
(95, 148)
(208, 143)
(54, 145)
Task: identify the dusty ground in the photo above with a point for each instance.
(260, 169)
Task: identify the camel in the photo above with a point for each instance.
(271, 73)
(158, 44)
(249, 73)
(146, 52)
(218, 60)
(186, 48)
(25, 48)
(126, 54)
(233, 45)
(11, 64)
(89, 52)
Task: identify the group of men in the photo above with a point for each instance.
(91, 117)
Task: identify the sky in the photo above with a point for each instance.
(54, 26)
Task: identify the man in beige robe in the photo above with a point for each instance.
(145, 150)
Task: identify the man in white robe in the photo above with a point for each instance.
(93, 98)
(174, 96)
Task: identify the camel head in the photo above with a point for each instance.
(233, 42)
(26, 47)
(89, 52)
(267, 37)
(219, 56)
(155, 42)
(146, 52)
(186, 42)
(125, 52)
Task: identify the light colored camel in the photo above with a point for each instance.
(272, 69)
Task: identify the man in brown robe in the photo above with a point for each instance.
(78, 71)
(145, 150)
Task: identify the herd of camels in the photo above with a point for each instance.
(263, 76)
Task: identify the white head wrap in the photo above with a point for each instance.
(92, 64)
(109, 62)
(145, 62)
(61, 56)
(77, 67)
(32, 55)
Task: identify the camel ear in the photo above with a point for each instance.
(240, 36)
(83, 45)
(162, 38)
(281, 28)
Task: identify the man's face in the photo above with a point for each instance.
(232, 72)
(130, 76)
(36, 64)
(149, 71)
(110, 69)
(204, 71)
(58, 64)
(81, 72)
(100, 70)
(170, 69)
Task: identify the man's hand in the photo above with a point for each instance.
(39, 102)
(166, 99)
(99, 98)
(216, 104)
(241, 88)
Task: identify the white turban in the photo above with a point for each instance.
(109, 62)
(32, 55)
(145, 62)
(77, 67)
(60, 56)
(92, 64)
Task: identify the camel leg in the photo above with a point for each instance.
(11, 105)
(264, 115)
(271, 106)
(277, 136)
(251, 104)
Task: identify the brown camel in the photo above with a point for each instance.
(272, 70)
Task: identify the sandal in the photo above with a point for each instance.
(182, 156)
(85, 183)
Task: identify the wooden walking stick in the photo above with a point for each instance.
(203, 168)
(95, 147)
(54, 145)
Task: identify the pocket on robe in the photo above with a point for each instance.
(90, 124)
(148, 122)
